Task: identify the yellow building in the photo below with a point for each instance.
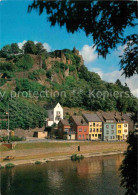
(95, 126)
(119, 131)
(121, 128)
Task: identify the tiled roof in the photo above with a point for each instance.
(79, 120)
(92, 117)
(106, 116)
(65, 122)
(127, 117)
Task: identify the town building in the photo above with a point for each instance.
(64, 130)
(80, 127)
(108, 126)
(122, 127)
(95, 126)
(55, 114)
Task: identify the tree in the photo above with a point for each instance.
(6, 51)
(29, 47)
(129, 58)
(105, 21)
(129, 166)
(15, 48)
(40, 48)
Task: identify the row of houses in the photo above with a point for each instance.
(96, 126)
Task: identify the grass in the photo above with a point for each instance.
(9, 165)
(3, 148)
(21, 146)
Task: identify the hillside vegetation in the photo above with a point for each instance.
(31, 77)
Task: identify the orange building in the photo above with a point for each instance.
(79, 125)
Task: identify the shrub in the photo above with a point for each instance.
(35, 74)
(37, 162)
(25, 62)
(76, 157)
(49, 74)
(7, 66)
(9, 165)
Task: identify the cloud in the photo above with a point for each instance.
(88, 53)
(114, 75)
(21, 44)
(46, 45)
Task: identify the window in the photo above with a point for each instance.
(51, 112)
(94, 130)
(97, 125)
(94, 124)
(112, 126)
(79, 136)
(111, 137)
(97, 130)
(125, 125)
(107, 132)
(100, 130)
(80, 129)
(92, 135)
(106, 137)
(107, 126)
(90, 129)
(58, 112)
(125, 130)
(95, 135)
(85, 130)
(119, 131)
(82, 136)
(66, 130)
(119, 126)
(112, 131)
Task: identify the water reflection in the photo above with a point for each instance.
(91, 176)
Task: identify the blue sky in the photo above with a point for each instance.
(16, 25)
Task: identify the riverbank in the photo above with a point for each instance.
(26, 153)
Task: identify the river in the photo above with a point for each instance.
(90, 176)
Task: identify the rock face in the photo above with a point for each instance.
(59, 56)
(76, 52)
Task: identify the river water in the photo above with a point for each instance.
(90, 176)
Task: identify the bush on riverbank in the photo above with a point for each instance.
(11, 139)
(37, 162)
(9, 165)
(76, 157)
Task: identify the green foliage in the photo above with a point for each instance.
(29, 47)
(7, 66)
(71, 56)
(9, 165)
(49, 74)
(129, 166)
(36, 74)
(26, 85)
(8, 50)
(76, 157)
(25, 62)
(12, 138)
(37, 162)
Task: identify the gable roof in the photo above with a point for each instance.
(92, 117)
(106, 116)
(79, 120)
(65, 122)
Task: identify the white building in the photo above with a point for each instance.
(55, 114)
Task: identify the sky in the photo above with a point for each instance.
(18, 26)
